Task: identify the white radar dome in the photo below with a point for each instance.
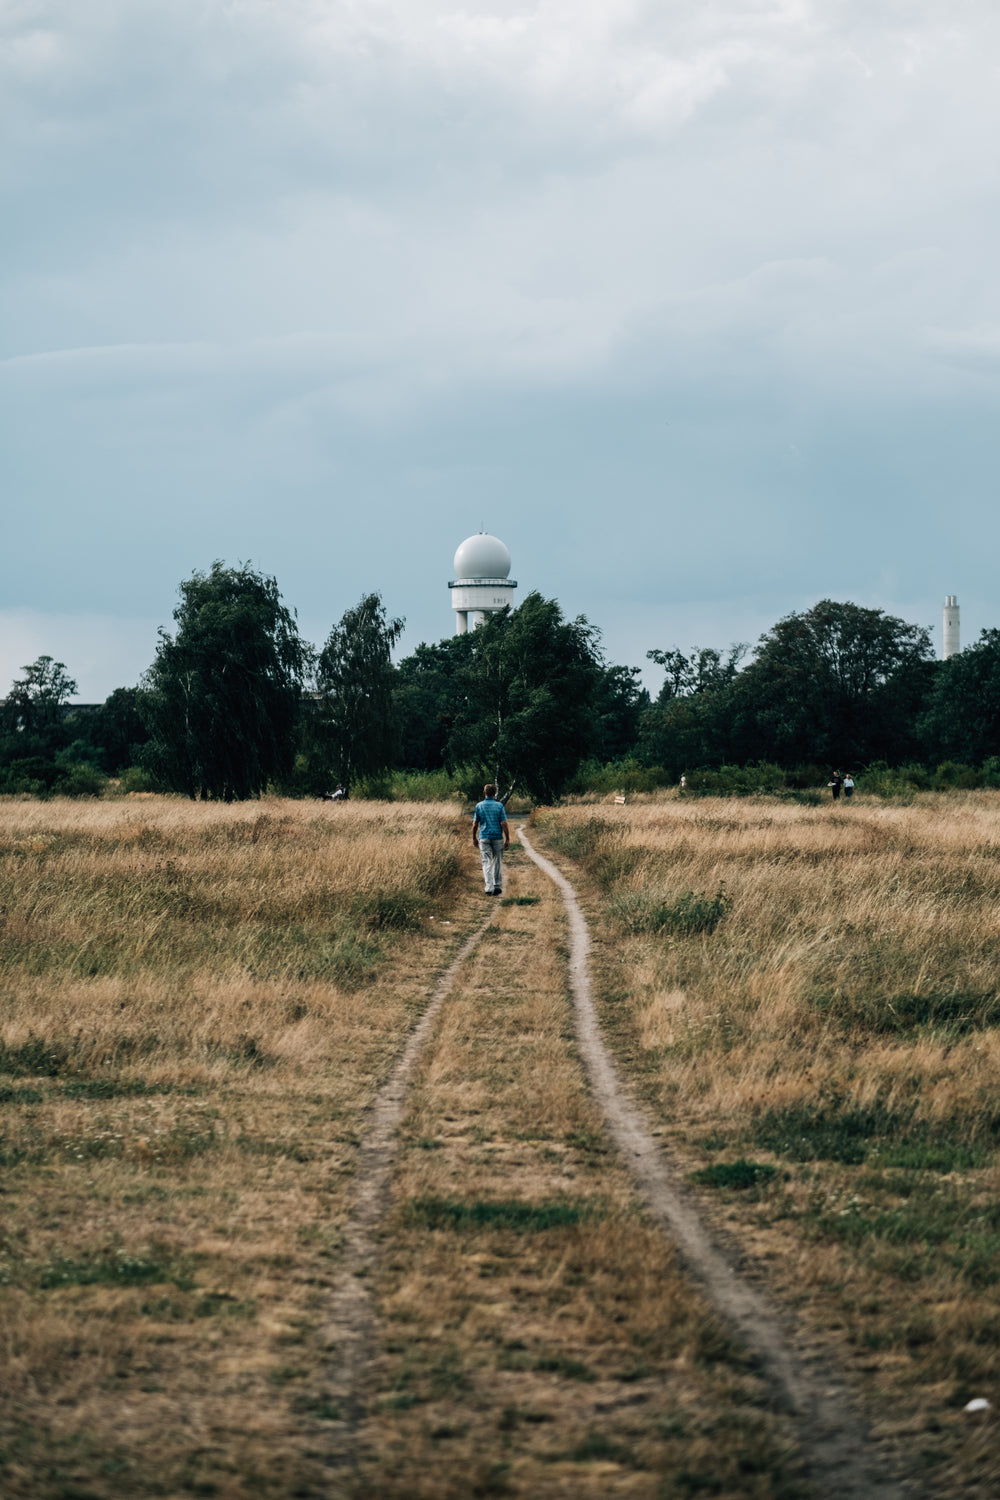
(482, 556)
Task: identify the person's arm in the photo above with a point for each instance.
(475, 832)
(506, 833)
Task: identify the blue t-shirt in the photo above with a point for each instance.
(491, 815)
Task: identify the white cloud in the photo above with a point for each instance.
(268, 260)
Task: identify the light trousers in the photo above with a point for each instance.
(491, 853)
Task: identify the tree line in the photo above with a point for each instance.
(235, 702)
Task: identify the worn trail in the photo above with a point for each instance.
(832, 1437)
(350, 1324)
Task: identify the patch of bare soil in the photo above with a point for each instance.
(832, 1436)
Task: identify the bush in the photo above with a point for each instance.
(736, 781)
(138, 779)
(625, 775)
(806, 778)
(375, 788)
(32, 775)
(952, 775)
(898, 782)
(80, 780)
(426, 786)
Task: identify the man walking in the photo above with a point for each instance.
(491, 836)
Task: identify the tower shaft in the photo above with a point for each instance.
(949, 627)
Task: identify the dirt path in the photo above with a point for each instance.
(832, 1437)
(350, 1326)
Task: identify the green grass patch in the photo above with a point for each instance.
(833, 1130)
(9, 1095)
(508, 1213)
(116, 1267)
(520, 900)
(735, 1174)
(34, 1058)
(685, 915)
(111, 1088)
(955, 1014)
(223, 1304)
(919, 1238)
(598, 1447)
(516, 1356)
(388, 911)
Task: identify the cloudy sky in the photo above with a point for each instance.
(696, 305)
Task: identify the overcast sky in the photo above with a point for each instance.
(695, 305)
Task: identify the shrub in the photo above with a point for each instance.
(32, 775)
(951, 774)
(425, 786)
(625, 775)
(80, 780)
(735, 781)
(899, 782)
(137, 779)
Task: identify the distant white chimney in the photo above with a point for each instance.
(949, 627)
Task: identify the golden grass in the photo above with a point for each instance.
(841, 1021)
(196, 1004)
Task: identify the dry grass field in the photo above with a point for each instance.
(808, 1001)
(197, 1004)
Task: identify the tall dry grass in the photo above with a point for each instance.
(196, 1004)
(817, 992)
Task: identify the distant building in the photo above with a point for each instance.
(481, 585)
(949, 627)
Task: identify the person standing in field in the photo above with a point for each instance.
(848, 785)
(834, 785)
(491, 836)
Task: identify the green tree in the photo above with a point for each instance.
(428, 695)
(687, 726)
(962, 721)
(620, 700)
(701, 672)
(221, 699)
(837, 684)
(36, 702)
(355, 682)
(112, 734)
(530, 713)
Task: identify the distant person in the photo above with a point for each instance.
(491, 836)
(848, 785)
(337, 795)
(835, 785)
